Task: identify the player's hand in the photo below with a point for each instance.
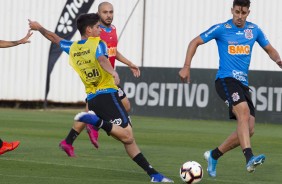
(184, 74)
(34, 25)
(116, 78)
(135, 70)
(26, 38)
(279, 63)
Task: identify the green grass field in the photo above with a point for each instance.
(167, 143)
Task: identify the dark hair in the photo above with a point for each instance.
(242, 3)
(85, 20)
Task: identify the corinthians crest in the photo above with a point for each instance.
(248, 34)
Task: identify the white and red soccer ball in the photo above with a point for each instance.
(191, 172)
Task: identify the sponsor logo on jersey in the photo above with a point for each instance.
(81, 53)
(112, 51)
(239, 75)
(83, 62)
(239, 33)
(228, 26)
(239, 49)
(251, 26)
(90, 73)
(248, 34)
(212, 30)
(232, 42)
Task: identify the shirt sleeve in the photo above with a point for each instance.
(211, 33)
(102, 49)
(262, 39)
(65, 45)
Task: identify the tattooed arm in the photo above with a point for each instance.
(47, 34)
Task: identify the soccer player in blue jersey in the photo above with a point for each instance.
(235, 39)
(89, 58)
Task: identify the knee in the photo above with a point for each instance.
(252, 132)
(78, 126)
(127, 139)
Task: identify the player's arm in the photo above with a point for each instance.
(106, 65)
(184, 73)
(24, 40)
(102, 56)
(135, 70)
(47, 34)
(273, 54)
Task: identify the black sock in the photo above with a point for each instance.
(105, 125)
(144, 164)
(71, 136)
(248, 154)
(216, 153)
(1, 143)
(95, 128)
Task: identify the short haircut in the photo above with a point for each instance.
(103, 3)
(242, 3)
(85, 20)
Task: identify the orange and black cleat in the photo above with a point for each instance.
(9, 146)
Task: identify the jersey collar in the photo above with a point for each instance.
(107, 29)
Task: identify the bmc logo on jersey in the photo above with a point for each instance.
(239, 49)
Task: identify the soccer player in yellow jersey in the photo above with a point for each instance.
(88, 57)
(109, 35)
(9, 146)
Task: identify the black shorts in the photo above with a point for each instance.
(109, 108)
(121, 93)
(233, 92)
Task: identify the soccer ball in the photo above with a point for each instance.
(191, 172)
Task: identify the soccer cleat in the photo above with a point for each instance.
(254, 162)
(67, 148)
(159, 178)
(9, 146)
(93, 135)
(211, 163)
(87, 117)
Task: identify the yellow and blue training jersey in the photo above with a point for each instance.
(83, 56)
(235, 47)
